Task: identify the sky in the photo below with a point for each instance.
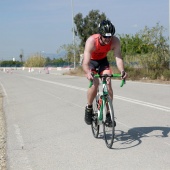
(42, 26)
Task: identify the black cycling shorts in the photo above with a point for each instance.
(99, 65)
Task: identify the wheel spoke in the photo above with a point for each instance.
(108, 127)
(95, 126)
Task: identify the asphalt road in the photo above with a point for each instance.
(46, 128)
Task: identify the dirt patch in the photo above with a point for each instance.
(2, 135)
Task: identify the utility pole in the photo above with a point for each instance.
(73, 33)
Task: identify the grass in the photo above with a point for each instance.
(134, 74)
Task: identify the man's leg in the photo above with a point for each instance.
(109, 84)
(91, 94)
(110, 91)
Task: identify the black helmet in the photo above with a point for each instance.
(106, 28)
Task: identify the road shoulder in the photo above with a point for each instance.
(2, 135)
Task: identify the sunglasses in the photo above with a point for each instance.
(107, 37)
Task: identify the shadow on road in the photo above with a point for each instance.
(133, 137)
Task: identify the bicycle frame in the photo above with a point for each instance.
(105, 92)
(103, 97)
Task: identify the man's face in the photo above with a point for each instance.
(106, 39)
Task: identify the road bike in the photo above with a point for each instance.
(102, 105)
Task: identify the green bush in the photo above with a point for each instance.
(154, 75)
(166, 74)
(133, 73)
(35, 61)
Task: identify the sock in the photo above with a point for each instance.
(89, 106)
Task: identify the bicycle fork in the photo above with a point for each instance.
(102, 110)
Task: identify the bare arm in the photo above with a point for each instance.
(118, 56)
(87, 55)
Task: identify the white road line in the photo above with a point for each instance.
(159, 107)
(155, 106)
(19, 136)
(72, 103)
(4, 93)
(23, 158)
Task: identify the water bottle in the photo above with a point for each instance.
(99, 102)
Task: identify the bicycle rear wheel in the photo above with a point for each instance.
(94, 125)
(109, 129)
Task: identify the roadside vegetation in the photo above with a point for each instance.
(146, 54)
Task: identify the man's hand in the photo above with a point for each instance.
(89, 76)
(123, 74)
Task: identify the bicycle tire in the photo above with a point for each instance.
(95, 126)
(109, 131)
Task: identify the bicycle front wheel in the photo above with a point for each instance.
(95, 126)
(109, 125)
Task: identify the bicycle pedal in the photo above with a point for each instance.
(94, 117)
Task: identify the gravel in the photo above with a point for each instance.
(2, 135)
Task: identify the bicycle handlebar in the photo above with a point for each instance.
(105, 75)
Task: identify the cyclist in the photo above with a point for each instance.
(95, 60)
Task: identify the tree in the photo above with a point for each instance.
(148, 45)
(88, 25)
(134, 44)
(158, 53)
(154, 37)
(35, 60)
(69, 55)
(11, 63)
(84, 28)
(21, 57)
